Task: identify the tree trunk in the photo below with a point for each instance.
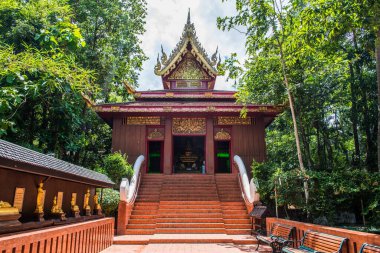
(354, 116)
(378, 95)
(291, 105)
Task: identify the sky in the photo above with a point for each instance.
(164, 25)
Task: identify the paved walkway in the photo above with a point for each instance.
(186, 248)
(184, 238)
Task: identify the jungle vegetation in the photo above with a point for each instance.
(318, 59)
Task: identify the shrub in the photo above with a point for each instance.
(117, 167)
(110, 201)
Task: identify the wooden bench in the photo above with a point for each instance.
(316, 242)
(369, 248)
(279, 236)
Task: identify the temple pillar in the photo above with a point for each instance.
(168, 147)
(210, 162)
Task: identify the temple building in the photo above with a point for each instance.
(188, 126)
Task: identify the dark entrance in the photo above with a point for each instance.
(188, 154)
(222, 157)
(155, 160)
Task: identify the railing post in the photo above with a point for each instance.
(122, 218)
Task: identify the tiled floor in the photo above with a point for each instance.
(185, 248)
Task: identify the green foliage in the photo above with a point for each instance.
(328, 57)
(48, 60)
(117, 167)
(111, 29)
(110, 202)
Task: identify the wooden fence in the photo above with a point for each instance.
(355, 238)
(90, 237)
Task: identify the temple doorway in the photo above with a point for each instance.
(188, 154)
(155, 157)
(222, 157)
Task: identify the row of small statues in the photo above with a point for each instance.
(56, 210)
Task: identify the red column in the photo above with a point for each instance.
(168, 147)
(210, 163)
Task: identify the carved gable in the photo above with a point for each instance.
(189, 69)
(188, 66)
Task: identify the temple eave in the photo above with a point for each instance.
(264, 110)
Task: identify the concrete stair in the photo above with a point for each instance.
(189, 204)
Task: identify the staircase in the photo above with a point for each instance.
(189, 204)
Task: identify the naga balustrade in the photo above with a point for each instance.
(355, 238)
(128, 194)
(90, 236)
(248, 188)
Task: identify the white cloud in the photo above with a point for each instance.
(164, 25)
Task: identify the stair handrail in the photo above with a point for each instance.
(128, 190)
(248, 188)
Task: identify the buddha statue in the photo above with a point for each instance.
(97, 207)
(74, 206)
(40, 199)
(7, 209)
(55, 208)
(57, 211)
(188, 156)
(86, 205)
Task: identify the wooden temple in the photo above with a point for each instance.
(188, 126)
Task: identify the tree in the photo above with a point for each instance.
(111, 29)
(328, 60)
(52, 55)
(263, 17)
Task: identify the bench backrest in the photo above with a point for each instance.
(369, 248)
(321, 242)
(281, 230)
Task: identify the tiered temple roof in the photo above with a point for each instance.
(188, 78)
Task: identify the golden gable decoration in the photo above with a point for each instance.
(234, 121)
(155, 134)
(188, 43)
(143, 120)
(188, 69)
(222, 135)
(189, 126)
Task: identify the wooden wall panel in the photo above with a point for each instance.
(10, 179)
(248, 142)
(129, 139)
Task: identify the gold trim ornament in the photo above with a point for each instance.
(189, 126)
(226, 120)
(155, 134)
(143, 120)
(222, 135)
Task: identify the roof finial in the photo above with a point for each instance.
(188, 17)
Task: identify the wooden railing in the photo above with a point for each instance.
(91, 236)
(355, 238)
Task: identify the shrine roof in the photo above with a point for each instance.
(23, 159)
(185, 94)
(186, 106)
(189, 35)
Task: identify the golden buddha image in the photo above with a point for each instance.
(40, 199)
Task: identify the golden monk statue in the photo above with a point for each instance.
(40, 199)
(74, 206)
(6, 208)
(86, 205)
(96, 202)
(55, 208)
